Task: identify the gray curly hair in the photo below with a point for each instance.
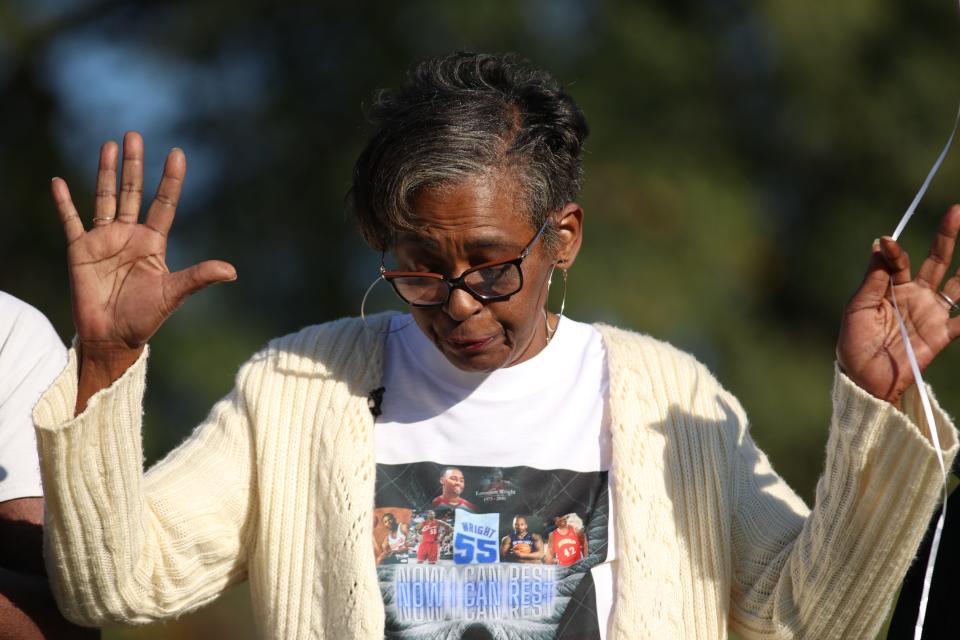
(462, 116)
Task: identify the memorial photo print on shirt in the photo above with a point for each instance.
(468, 551)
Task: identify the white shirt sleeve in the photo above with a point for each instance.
(31, 357)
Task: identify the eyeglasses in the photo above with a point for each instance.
(488, 282)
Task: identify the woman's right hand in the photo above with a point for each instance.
(121, 288)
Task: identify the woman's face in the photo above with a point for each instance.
(469, 224)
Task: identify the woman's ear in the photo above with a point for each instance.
(569, 225)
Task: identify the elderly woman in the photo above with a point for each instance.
(468, 187)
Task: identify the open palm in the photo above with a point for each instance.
(121, 287)
(870, 349)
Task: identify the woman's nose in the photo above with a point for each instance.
(461, 305)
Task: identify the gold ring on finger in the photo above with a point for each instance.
(104, 218)
(953, 305)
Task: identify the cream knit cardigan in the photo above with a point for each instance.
(276, 486)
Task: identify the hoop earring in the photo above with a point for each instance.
(563, 304)
(363, 314)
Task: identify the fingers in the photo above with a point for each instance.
(105, 209)
(186, 282)
(131, 178)
(876, 280)
(72, 225)
(896, 260)
(952, 287)
(164, 205)
(953, 328)
(937, 262)
(887, 260)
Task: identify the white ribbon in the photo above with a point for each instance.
(926, 183)
(922, 389)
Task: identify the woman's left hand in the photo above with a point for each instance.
(870, 350)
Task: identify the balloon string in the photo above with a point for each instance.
(922, 388)
(926, 183)
(931, 427)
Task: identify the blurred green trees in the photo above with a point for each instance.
(742, 158)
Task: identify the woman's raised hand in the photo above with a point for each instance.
(870, 350)
(121, 287)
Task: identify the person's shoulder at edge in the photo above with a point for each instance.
(29, 324)
(32, 355)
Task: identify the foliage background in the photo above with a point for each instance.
(743, 156)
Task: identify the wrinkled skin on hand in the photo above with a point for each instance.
(870, 349)
(121, 288)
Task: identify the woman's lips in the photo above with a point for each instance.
(469, 345)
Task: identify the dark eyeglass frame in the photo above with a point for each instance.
(459, 281)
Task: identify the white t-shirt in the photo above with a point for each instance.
(503, 459)
(31, 356)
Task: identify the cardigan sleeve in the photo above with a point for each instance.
(833, 572)
(124, 546)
